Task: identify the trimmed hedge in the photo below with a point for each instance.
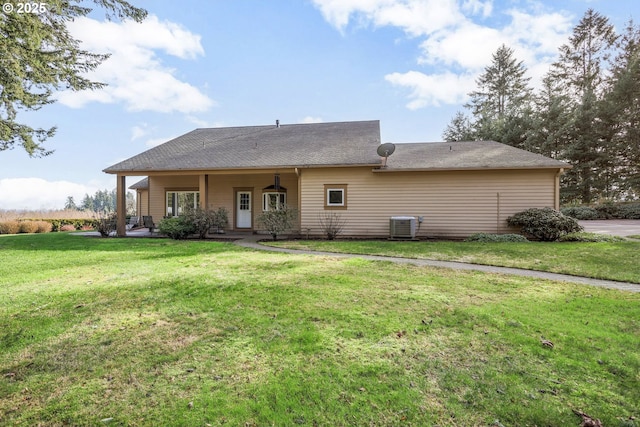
(604, 211)
(580, 212)
(544, 224)
(491, 238)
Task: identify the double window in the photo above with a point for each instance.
(179, 202)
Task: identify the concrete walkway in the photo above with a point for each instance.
(617, 227)
(253, 243)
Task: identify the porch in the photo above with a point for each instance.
(243, 193)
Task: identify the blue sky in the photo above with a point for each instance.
(407, 63)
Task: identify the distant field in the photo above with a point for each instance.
(7, 215)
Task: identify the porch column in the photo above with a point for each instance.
(121, 206)
(204, 191)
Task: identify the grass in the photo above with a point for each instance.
(601, 260)
(145, 332)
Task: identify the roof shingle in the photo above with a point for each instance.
(316, 144)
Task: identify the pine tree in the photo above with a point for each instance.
(459, 129)
(622, 119)
(579, 73)
(549, 130)
(501, 104)
(70, 204)
(38, 56)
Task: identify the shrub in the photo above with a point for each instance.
(105, 223)
(220, 219)
(331, 224)
(277, 221)
(630, 211)
(202, 221)
(490, 238)
(607, 210)
(580, 212)
(590, 237)
(177, 228)
(67, 227)
(28, 227)
(9, 227)
(43, 227)
(544, 224)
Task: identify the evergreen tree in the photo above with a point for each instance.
(38, 56)
(501, 105)
(579, 73)
(550, 128)
(70, 204)
(621, 120)
(459, 129)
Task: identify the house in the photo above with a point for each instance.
(457, 188)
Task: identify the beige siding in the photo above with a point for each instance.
(222, 190)
(142, 205)
(453, 203)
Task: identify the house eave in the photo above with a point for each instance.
(252, 169)
(475, 168)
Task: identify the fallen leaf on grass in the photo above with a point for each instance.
(587, 421)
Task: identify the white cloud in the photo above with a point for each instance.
(134, 73)
(458, 39)
(139, 131)
(311, 119)
(432, 89)
(37, 193)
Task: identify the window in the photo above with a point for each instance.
(179, 202)
(335, 196)
(273, 200)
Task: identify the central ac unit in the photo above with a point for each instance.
(402, 227)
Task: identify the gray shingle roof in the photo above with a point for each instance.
(466, 155)
(316, 144)
(143, 184)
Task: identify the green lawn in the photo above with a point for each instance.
(148, 332)
(614, 261)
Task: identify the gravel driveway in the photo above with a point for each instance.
(618, 227)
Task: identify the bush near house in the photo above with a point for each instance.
(277, 221)
(177, 228)
(544, 224)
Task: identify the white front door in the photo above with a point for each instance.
(243, 209)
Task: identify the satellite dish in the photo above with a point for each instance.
(385, 150)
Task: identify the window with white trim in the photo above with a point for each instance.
(180, 202)
(273, 200)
